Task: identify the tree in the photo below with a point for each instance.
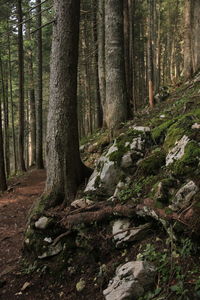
(191, 38)
(3, 184)
(21, 86)
(116, 98)
(65, 171)
(39, 94)
(150, 53)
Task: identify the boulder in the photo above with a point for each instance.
(122, 234)
(178, 151)
(184, 195)
(131, 281)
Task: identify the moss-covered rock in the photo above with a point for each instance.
(159, 132)
(189, 164)
(152, 163)
(182, 126)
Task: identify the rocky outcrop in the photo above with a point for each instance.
(130, 281)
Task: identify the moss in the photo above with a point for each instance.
(158, 133)
(151, 164)
(176, 131)
(189, 163)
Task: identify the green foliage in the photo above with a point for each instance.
(171, 273)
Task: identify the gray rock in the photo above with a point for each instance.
(196, 126)
(51, 251)
(141, 128)
(81, 203)
(184, 195)
(127, 160)
(124, 236)
(178, 151)
(131, 281)
(42, 223)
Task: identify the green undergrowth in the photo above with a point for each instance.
(178, 274)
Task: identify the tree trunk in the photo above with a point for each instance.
(65, 171)
(116, 97)
(196, 35)
(188, 69)
(39, 90)
(150, 55)
(21, 87)
(11, 103)
(101, 54)
(3, 184)
(5, 121)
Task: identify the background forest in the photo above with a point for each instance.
(161, 44)
(100, 149)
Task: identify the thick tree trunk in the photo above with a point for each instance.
(65, 170)
(116, 97)
(39, 90)
(21, 87)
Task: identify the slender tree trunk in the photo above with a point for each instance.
(12, 104)
(116, 97)
(150, 55)
(21, 87)
(101, 54)
(65, 171)
(5, 121)
(3, 184)
(39, 90)
(188, 69)
(97, 88)
(196, 35)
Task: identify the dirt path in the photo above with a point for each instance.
(14, 207)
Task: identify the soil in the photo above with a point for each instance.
(14, 207)
(18, 281)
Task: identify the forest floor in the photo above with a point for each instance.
(14, 207)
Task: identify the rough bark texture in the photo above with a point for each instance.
(101, 53)
(65, 170)
(196, 35)
(39, 95)
(187, 72)
(116, 97)
(150, 54)
(21, 88)
(3, 185)
(11, 106)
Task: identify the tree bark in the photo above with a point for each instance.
(11, 103)
(39, 90)
(150, 55)
(65, 171)
(116, 97)
(188, 69)
(101, 54)
(3, 184)
(21, 87)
